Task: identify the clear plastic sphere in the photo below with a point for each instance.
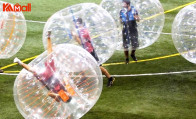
(69, 72)
(97, 30)
(13, 32)
(113, 7)
(151, 24)
(184, 32)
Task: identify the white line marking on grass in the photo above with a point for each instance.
(132, 75)
(8, 74)
(155, 74)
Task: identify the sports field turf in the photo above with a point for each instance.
(145, 97)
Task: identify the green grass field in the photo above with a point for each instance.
(146, 97)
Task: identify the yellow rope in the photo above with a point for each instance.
(151, 59)
(168, 11)
(112, 64)
(13, 64)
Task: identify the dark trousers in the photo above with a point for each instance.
(130, 35)
(94, 54)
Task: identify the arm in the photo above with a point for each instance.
(76, 38)
(121, 21)
(136, 16)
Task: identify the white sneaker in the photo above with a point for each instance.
(16, 60)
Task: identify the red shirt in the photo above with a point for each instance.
(86, 39)
(49, 70)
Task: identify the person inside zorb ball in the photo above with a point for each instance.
(63, 84)
(184, 32)
(47, 78)
(12, 32)
(84, 39)
(100, 24)
(88, 26)
(128, 17)
(147, 31)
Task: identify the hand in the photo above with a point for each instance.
(137, 18)
(49, 34)
(121, 21)
(73, 33)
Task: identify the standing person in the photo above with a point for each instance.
(128, 17)
(55, 86)
(84, 39)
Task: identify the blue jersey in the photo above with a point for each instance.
(128, 15)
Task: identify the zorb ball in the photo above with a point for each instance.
(64, 84)
(151, 24)
(184, 33)
(113, 7)
(87, 25)
(12, 32)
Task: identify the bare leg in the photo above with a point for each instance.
(105, 72)
(126, 52)
(133, 55)
(28, 68)
(110, 79)
(133, 52)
